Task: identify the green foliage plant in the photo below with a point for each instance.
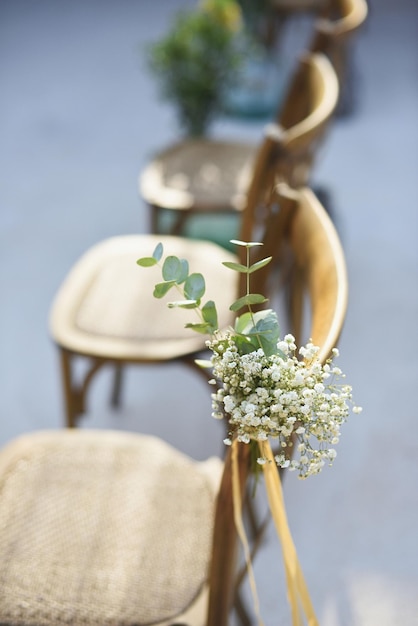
(197, 61)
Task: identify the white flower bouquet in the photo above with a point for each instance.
(264, 388)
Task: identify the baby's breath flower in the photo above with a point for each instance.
(281, 396)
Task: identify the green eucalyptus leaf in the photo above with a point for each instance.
(268, 332)
(246, 344)
(183, 304)
(210, 314)
(184, 271)
(248, 300)
(194, 287)
(172, 268)
(204, 329)
(262, 328)
(245, 244)
(237, 267)
(162, 288)
(147, 261)
(158, 252)
(259, 264)
(243, 322)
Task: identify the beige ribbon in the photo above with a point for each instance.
(239, 525)
(297, 590)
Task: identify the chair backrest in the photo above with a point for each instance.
(317, 283)
(287, 152)
(318, 287)
(339, 21)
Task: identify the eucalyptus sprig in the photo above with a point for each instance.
(252, 330)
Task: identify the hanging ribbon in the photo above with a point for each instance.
(239, 525)
(296, 585)
(297, 590)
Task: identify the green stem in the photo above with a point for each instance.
(248, 292)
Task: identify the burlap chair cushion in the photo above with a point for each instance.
(102, 528)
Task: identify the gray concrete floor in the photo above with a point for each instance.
(80, 116)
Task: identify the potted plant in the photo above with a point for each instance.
(198, 60)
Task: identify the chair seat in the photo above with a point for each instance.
(199, 175)
(105, 307)
(102, 528)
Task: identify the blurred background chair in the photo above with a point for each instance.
(198, 178)
(104, 310)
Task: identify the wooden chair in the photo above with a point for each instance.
(198, 177)
(103, 311)
(105, 528)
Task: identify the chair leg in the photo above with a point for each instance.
(75, 394)
(73, 401)
(154, 221)
(117, 385)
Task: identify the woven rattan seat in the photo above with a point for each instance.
(82, 522)
(214, 175)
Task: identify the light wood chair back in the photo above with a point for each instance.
(317, 281)
(333, 31)
(289, 146)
